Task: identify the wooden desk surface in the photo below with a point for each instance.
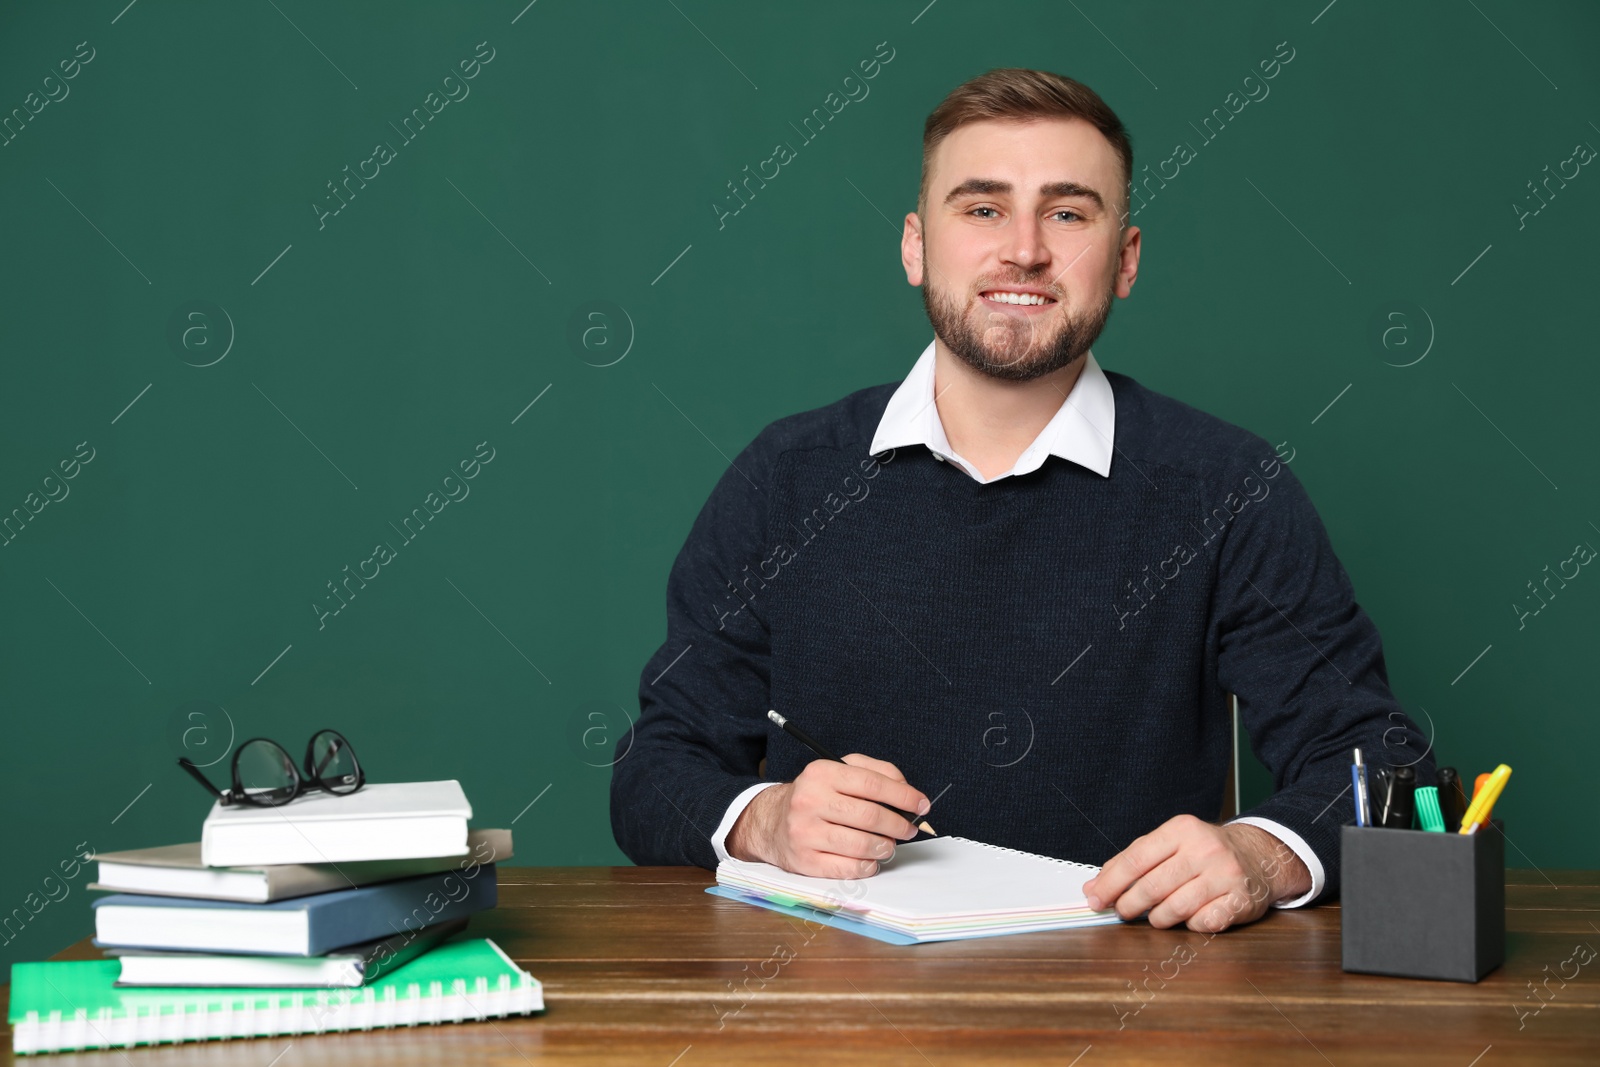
(641, 966)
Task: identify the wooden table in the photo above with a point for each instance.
(641, 966)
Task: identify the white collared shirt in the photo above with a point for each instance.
(1082, 431)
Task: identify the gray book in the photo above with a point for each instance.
(176, 871)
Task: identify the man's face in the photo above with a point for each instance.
(1021, 246)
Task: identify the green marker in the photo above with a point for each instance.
(1428, 812)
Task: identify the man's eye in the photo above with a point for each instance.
(982, 209)
(1067, 211)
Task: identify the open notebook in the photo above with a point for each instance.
(935, 890)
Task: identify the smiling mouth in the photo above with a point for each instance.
(1012, 298)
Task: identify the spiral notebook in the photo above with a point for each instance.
(67, 1005)
(941, 889)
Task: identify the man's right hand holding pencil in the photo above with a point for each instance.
(831, 821)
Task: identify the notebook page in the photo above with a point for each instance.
(940, 878)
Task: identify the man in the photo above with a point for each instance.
(1018, 581)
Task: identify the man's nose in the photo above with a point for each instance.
(1024, 244)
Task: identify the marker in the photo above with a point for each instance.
(1427, 800)
(805, 739)
(1452, 797)
(1483, 803)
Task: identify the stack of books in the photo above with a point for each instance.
(326, 913)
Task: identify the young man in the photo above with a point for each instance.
(1021, 582)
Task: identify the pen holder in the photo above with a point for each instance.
(1423, 905)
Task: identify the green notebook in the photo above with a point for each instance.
(74, 1005)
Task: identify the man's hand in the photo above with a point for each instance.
(1209, 877)
(825, 823)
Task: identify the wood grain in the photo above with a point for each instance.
(641, 966)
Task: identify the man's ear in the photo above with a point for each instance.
(1128, 262)
(911, 249)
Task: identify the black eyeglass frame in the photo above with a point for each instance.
(310, 782)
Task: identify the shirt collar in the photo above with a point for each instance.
(1081, 431)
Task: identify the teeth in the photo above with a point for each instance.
(1004, 297)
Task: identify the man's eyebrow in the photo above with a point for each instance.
(988, 186)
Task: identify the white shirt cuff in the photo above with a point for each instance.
(740, 802)
(1298, 845)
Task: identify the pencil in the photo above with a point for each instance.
(805, 739)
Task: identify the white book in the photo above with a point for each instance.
(382, 821)
(940, 889)
(348, 967)
(252, 972)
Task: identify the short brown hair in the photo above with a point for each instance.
(1018, 94)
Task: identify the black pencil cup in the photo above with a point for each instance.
(1423, 905)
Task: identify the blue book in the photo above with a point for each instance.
(302, 926)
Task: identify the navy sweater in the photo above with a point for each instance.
(1048, 654)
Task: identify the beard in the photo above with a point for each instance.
(1011, 347)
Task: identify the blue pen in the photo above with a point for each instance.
(1358, 782)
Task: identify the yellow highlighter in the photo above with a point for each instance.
(1482, 804)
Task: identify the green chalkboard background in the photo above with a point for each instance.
(163, 212)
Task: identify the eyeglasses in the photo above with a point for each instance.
(264, 775)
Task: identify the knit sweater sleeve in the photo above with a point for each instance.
(1304, 659)
(703, 695)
